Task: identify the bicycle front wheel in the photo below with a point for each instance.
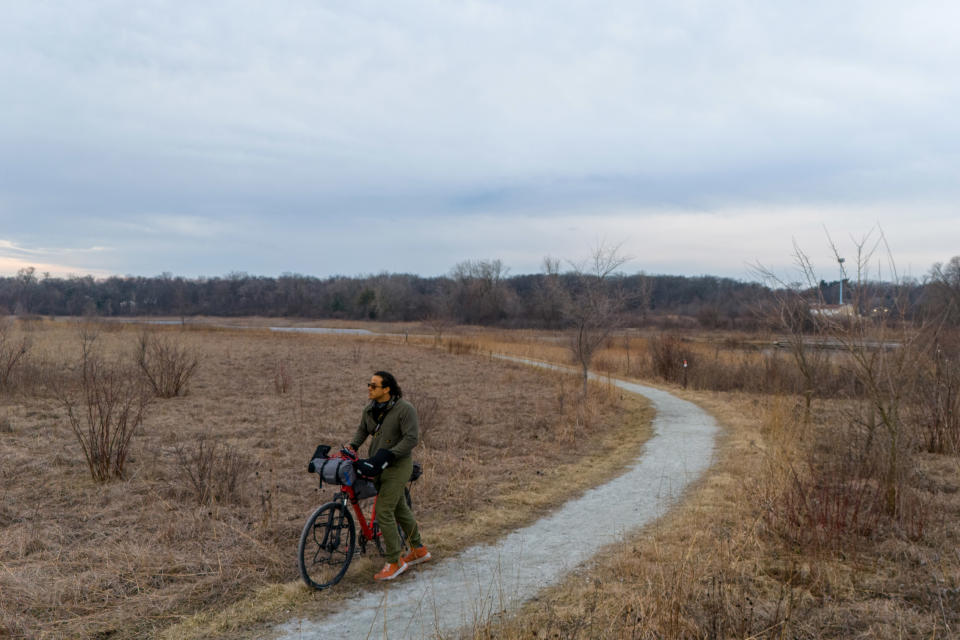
(326, 546)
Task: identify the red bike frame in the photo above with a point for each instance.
(366, 527)
(328, 540)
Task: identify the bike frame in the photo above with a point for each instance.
(346, 494)
(330, 556)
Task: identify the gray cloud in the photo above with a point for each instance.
(275, 127)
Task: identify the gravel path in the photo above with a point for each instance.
(442, 596)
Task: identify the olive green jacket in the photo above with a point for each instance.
(399, 433)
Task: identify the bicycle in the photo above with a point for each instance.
(329, 538)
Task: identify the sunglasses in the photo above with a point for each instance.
(370, 385)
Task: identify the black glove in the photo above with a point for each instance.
(372, 467)
(320, 452)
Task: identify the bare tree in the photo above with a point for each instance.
(551, 300)
(480, 294)
(937, 410)
(881, 355)
(644, 296)
(942, 292)
(596, 305)
(885, 358)
(794, 313)
(437, 323)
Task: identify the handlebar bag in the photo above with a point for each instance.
(335, 471)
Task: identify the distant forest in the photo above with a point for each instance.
(475, 292)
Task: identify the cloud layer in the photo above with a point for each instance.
(358, 137)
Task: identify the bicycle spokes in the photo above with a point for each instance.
(329, 533)
(326, 546)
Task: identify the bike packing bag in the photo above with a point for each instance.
(363, 488)
(336, 471)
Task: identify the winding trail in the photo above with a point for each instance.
(442, 596)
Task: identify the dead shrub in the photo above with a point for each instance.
(6, 426)
(935, 410)
(669, 354)
(838, 493)
(105, 404)
(459, 347)
(828, 502)
(214, 473)
(281, 378)
(748, 371)
(13, 351)
(166, 365)
(577, 415)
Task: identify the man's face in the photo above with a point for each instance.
(376, 391)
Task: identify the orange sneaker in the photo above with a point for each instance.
(416, 556)
(391, 570)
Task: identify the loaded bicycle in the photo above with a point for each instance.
(329, 538)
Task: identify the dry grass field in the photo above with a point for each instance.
(717, 567)
(785, 537)
(198, 538)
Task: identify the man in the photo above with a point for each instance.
(392, 423)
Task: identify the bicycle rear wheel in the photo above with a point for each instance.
(326, 545)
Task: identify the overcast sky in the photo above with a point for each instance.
(353, 137)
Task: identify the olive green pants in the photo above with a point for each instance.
(393, 509)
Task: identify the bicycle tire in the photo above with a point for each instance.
(378, 537)
(327, 544)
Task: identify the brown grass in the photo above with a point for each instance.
(747, 554)
(715, 568)
(159, 552)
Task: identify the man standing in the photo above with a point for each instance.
(392, 423)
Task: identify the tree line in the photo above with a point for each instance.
(480, 292)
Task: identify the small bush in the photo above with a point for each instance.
(166, 365)
(460, 347)
(828, 502)
(105, 408)
(13, 351)
(935, 410)
(839, 492)
(214, 473)
(668, 353)
(281, 378)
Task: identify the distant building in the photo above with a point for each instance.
(833, 310)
